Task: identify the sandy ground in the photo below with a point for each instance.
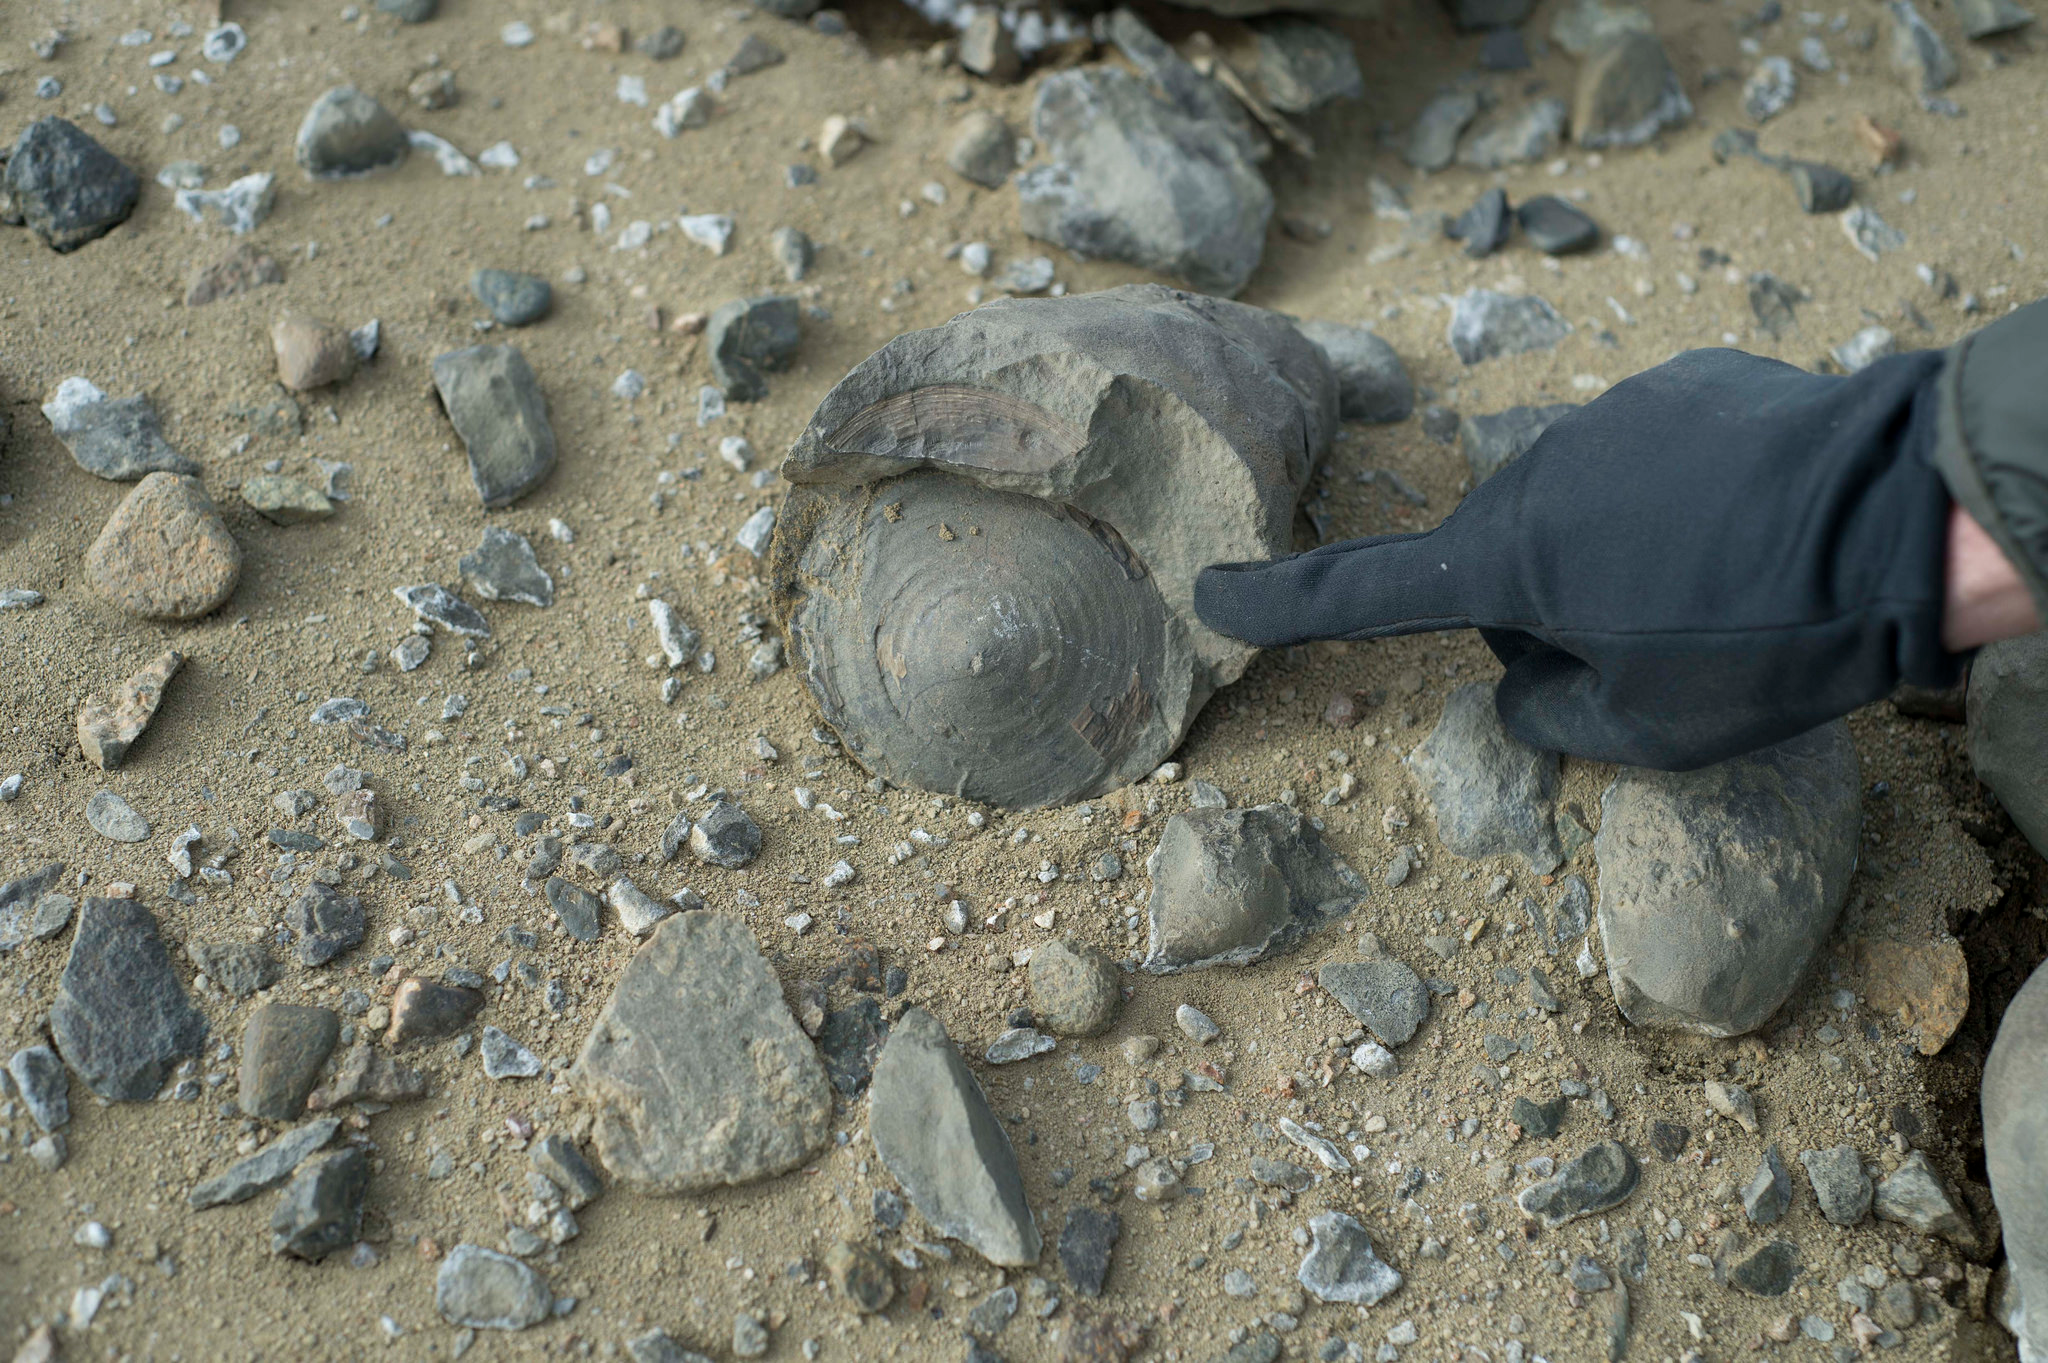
(314, 600)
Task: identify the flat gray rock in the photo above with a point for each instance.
(1233, 886)
(1916, 1196)
(1380, 992)
(698, 1075)
(502, 568)
(2008, 730)
(1486, 325)
(1719, 886)
(1134, 178)
(121, 1019)
(1919, 53)
(324, 924)
(44, 1084)
(119, 439)
(1494, 795)
(434, 604)
(938, 1137)
(321, 1209)
(348, 133)
(1534, 132)
(1433, 141)
(67, 188)
(1627, 93)
(19, 899)
(241, 968)
(750, 337)
(1601, 1178)
(577, 908)
(514, 299)
(496, 406)
(1372, 383)
(505, 1058)
(1341, 1265)
(283, 1047)
(114, 818)
(1494, 441)
(1768, 1193)
(266, 1168)
(1839, 1183)
(485, 1290)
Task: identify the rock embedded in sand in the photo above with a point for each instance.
(1916, 1196)
(1433, 141)
(503, 568)
(1765, 1270)
(44, 1085)
(107, 728)
(283, 1047)
(1601, 1178)
(1233, 886)
(937, 1136)
(1494, 795)
(1380, 992)
(241, 968)
(165, 553)
(495, 404)
(1555, 227)
(1341, 1265)
(321, 1209)
(485, 1290)
(513, 299)
(561, 1162)
(67, 187)
(368, 1075)
(1372, 383)
(1494, 441)
(324, 924)
(861, 1275)
(1075, 989)
(266, 1168)
(1718, 886)
(698, 1076)
(1627, 93)
(1086, 1244)
(1840, 1185)
(2007, 710)
(241, 207)
(983, 149)
(285, 501)
(348, 133)
(1919, 53)
(310, 353)
(121, 1019)
(1486, 325)
(505, 1058)
(114, 818)
(1532, 133)
(750, 337)
(1768, 1193)
(427, 1010)
(725, 836)
(114, 438)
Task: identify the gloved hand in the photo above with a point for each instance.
(1715, 555)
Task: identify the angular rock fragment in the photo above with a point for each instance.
(1769, 1191)
(427, 1010)
(558, 1158)
(983, 149)
(347, 133)
(121, 1019)
(368, 1075)
(1532, 133)
(577, 908)
(165, 553)
(1341, 1265)
(321, 1209)
(266, 1168)
(638, 911)
(1918, 53)
(750, 337)
(1433, 141)
(1718, 886)
(1233, 886)
(1304, 65)
(1839, 1183)
(851, 1038)
(311, 353)
(1555, 227)
(107, 728)
(1627, 93)
(1380, 992)
(324, 924)
(1917, 1197)
(860, 1275)
(1086, 1244)
(505, 1058)
(20, 901)
(241, 207)
(485, 1290)
(434, 604)
(938, 1137)
(698, 1076)
(726, 836)
(495, 404)
(1075, 990)
(114, 438)
(285, 501)
(1925, 985)
(241, 968)
(1494, 795)
(503, 568)
(1372, 383)
(1601, 1178)
(283, 1047)
(66, 187)
(1486, 325)
(39, 1076)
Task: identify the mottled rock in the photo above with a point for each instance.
(558, 1158)
(368, 1075)
(495, 404)
(485, 1290)
(323, 923)
(66, 187)
(860, 1275)
(1433, 141)
(1494, 795)
(266, 1168)
(285, 501)
(241, 207)
(1086, 1245)
(1718, 886)
(1627, 93)
(1839, 1183)
(1075, 989)
(165, 554)
(726, 836)
(1917, 1197)
(434, 604)
(321, 1209)
(851, 1038)
(1382, 993)
(1541, 1120)
(938, 1137)
(108, 727)
(1601, 1178)
(121, 1019)
(1522, 136)
(505, 1058)
(1919, 53)
(698, 1075)
(241, 968)
(114, 818)
(1341, 1265)
(1373, 384)
(750, 337)
(427, 1010)
(311, 353)
(1304, 65)
(348, 133)
(283, 1047)
(119, 439)
(1486, 325)
(1233, 886)
(638, 911)
(1733, 1102)
(44, 1085)
(1767, 1270)
(1494, 441)
(513, 299)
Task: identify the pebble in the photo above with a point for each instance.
(983, 149)
(1988, 18)
(495, 404)
(1380, 992)
(1493, 794)
(323, 923)
(266, 1168)
(1484, 227)
(1540, 1120)
(1919, 53)
(107, 729)
(114, 818)
(505, 1058)
(1087, 1244)
(428, 1010)
(31, 907)
(117, 439)
(1718, 948)
(241, 968)
(725, 836)
(1486, 325)
(1601, 1178)
(165, 553)
(750, 337)
(1216, 877)
(697, 1074)
(1839, 1183)
(937, 1136)
(311, 353)
(860, 1275)
(410, 11)
(513, 299)
(1523, 136)
(285, 501)
(840, 140)
(1433, 141)
(1770, 89)
(663, 44)
(1916, 1196)
(1556, 228)
(283, 1047)
(121, 1019)
(1865, 348)
(346, 133)
(1341, 1265)
(1075, 989)
(321, 1209)
(67, 187)
(1733, 1102)
(1768, 1193)
(433, 604)
(638, 911)
(1491, 442)
(368, 1075)
(1373, 385)
(503, 568)
(757, 532)
(485, 1290)
(1767, 1270)
(1871, 235)
(1196, 1025)
(44, 1084)
(1627, 93)
(558, 1159)
(1018, 1043)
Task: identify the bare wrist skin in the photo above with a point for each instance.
(1987, 600)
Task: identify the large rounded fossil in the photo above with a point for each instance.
(986, 568)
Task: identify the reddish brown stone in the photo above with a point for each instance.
(106, 729)
(165, 554)
(1925, 984)
(310, 353)
(240, 270)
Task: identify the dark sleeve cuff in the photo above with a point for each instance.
(1991, 440)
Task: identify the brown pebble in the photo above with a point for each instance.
(165, 553)
(1341, 712)
(106, 729)
(600, 36)
(1883, 144)
(310, 353)
(424, 1010)
(243, 268)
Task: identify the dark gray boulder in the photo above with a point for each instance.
(1372, 383)
(346, 132)
(67, 188)
(2016, 1155)
(2007, 713)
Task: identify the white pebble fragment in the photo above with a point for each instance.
(629, 385)
(224, 44)
(1196, 1025)
(758, 530)
(633, 90)
(842, 873)
(712, 231)
(498, 156)
(518, 33)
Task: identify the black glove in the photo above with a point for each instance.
(1715, 555)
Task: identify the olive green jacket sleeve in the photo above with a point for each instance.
(1991, 437)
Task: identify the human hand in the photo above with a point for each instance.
(1715, 555)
